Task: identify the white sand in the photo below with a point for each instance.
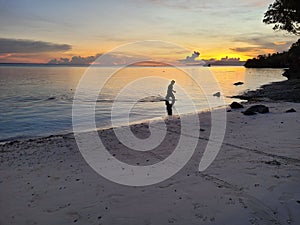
(46, 181)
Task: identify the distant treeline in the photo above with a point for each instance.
(276, 60)
(289, 59)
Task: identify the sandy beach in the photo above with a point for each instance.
(150, 112)
(255, 178)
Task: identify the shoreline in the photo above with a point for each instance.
(274, 91)
(154, 119)
(21, 131)
(286, 91)
(254, 179)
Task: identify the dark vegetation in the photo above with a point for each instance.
(277, 60)
(285, 15)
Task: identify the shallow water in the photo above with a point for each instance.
(37, 101)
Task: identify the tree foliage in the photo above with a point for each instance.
(285, 15)
(294, 61)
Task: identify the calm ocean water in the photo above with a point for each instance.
(37, 101)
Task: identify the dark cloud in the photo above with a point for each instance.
(75, 60)
(109, 59)
(192, 58)
(261, 44)
(265, 42)
(244, 49)
(30, 46)
(252, 51)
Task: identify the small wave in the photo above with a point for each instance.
(29, 99)
(152, 99)
(113, 100)
(146, 99)
(26, 99)
(61, 98)
(105, 100)
(21, 100)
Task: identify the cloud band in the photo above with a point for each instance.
(8, 45)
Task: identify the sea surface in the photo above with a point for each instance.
(36, 101)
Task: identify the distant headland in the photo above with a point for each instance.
(289, 59)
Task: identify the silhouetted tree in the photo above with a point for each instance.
(285, 15)
(276, 60)
(294, 61)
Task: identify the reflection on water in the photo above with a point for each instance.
(37, 101)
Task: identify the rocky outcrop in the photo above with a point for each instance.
(217, 94)
(256, 109)
(290, 110)
(288, 90)
(236, 105)
(238, 83)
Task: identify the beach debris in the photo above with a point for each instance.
(290, 110)
(217, 94)
(273, 162)
(256, 109)
(51, 98)
(236, 105)
(238, 83)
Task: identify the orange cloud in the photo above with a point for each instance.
(280, 43)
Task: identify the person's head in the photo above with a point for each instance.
(173, 82)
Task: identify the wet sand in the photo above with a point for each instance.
(255, 178)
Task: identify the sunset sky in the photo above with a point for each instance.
(38, 31)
